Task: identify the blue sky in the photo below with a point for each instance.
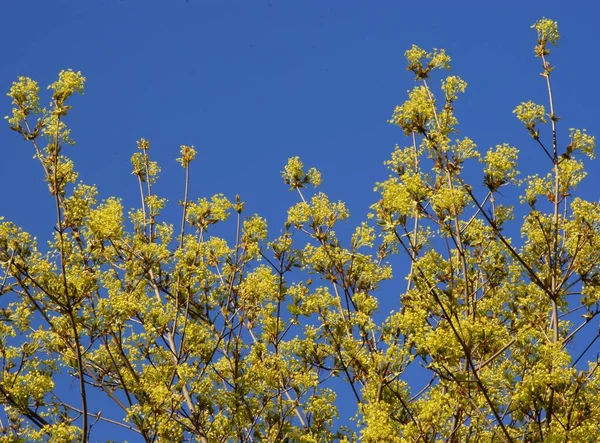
(251, 83)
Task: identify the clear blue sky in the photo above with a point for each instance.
(251, 83)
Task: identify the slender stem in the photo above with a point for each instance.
(177, 286)
(12, 254)
(554, 259)
(185, 203)
(98, 416)
(149, 189)
(416, 225)
(570, 337)
(587, 348)
(70, 306)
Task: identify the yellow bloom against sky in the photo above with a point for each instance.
(441, 224)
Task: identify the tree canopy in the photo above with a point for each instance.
(210, 329)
